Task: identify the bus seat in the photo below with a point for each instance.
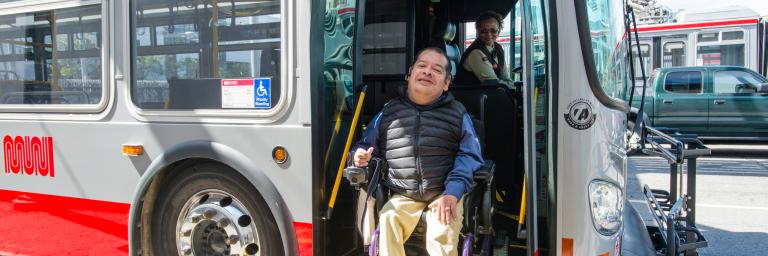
(44, 97)
(444, 33)
(202, 93)
(270, 64)
(498, 110)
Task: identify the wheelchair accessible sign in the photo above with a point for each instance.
(246, 93)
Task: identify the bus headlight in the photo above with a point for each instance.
(606, 202)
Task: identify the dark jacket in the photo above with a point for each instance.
(420, 144)
(496, 58)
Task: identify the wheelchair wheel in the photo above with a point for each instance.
(466, 245)
(373, 249)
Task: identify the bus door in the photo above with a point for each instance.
(537, 90)
(334, 113)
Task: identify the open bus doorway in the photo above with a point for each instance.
(514, 120)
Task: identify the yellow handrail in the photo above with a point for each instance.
(343, 162)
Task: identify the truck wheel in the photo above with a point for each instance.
(210, 210)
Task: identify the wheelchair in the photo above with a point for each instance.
(477, 224)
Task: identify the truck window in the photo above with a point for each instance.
(736, 81)
(683, 82)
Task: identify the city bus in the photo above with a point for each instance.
(216, 127)
(732, 36)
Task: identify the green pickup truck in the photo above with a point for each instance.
(715, 102)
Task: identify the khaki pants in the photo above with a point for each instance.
(398, 219)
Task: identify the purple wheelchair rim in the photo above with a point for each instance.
(467, 245)
(374, 242)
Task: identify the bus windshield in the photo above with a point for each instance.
(609, 48)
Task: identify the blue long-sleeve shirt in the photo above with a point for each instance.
(467, 161)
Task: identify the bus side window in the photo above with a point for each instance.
(39, 67)
(183, 61)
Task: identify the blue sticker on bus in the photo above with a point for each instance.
(262, 94)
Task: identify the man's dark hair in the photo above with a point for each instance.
(448, 67)
(487, 15)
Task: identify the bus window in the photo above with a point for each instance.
(385, 56)
(506, 40)
(673, 54)
(518, 47)
(608, 45)
(645, 53)
(721, 48)
(51, 57)
(183, 60)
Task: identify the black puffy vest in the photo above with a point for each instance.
(420, 144)
(496, 57)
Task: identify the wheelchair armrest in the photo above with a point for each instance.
(360, 176)
(479, 203)
(356, 176)
(485, 173)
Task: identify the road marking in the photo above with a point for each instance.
(723, 206)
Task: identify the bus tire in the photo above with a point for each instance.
(209, 209)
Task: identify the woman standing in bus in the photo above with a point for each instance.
(484, 58)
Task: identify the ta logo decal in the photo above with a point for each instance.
(580, 115)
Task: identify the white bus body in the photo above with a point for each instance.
(153, 126)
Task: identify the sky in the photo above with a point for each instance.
(760, 6)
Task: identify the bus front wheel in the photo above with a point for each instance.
(208, 209)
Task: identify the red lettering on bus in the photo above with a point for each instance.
(28, 155)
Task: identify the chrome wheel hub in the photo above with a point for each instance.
(213, 222)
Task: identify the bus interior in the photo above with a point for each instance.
(390, 39)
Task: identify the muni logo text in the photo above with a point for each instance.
(28, 155)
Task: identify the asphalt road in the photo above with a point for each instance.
(732, 196)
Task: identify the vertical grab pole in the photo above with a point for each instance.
(350, 136)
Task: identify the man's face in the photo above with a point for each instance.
(428, 78)
(488, 31)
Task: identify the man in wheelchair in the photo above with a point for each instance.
(430, 145)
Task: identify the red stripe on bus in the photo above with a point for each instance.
(697, 25)
(39, 224)
(345, 10)
(304, 237)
